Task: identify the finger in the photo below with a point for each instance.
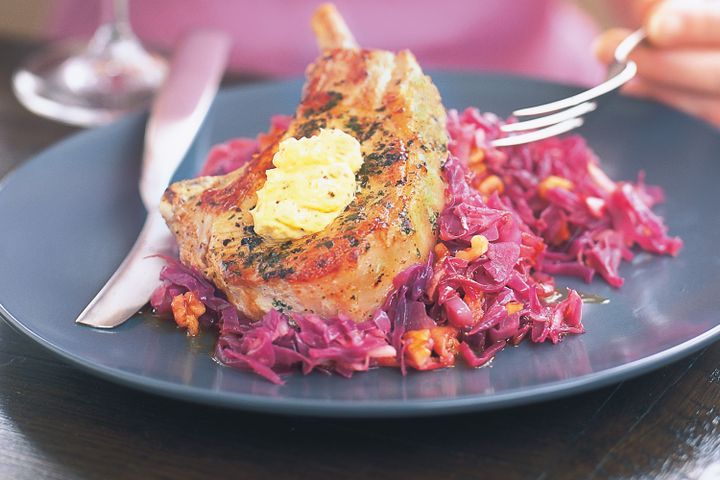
(696, 70)
(607, 42)
(707, 108)
(693, 69)
(638, 10)
(684, 23)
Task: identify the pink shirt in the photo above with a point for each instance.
(544, 38)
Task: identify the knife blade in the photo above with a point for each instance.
(176, 115)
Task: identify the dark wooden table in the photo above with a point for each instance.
(57, 422)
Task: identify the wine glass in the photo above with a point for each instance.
(92, 84)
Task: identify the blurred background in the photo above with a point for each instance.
(86, 62)
(27, 19)
(281, 27)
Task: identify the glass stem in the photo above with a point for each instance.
(114, 26)
(119, 16)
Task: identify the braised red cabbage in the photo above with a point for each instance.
(557, 188)
(513, 218)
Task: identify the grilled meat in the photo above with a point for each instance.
(388, 104)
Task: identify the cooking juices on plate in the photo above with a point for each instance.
(438, 246)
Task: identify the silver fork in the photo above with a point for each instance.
(564, 115)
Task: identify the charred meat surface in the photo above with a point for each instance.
(387, 103)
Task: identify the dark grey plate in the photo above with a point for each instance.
(69, 216)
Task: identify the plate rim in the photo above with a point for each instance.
(377, 408)
(334, 408)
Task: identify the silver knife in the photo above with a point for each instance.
(175, 118)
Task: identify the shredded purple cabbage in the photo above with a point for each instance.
(279, 341)
(450, 307)
(590, 227)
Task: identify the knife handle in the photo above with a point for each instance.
(180, 108)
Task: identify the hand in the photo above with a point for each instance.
(680, 63)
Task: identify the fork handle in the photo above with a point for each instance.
(622, 52)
